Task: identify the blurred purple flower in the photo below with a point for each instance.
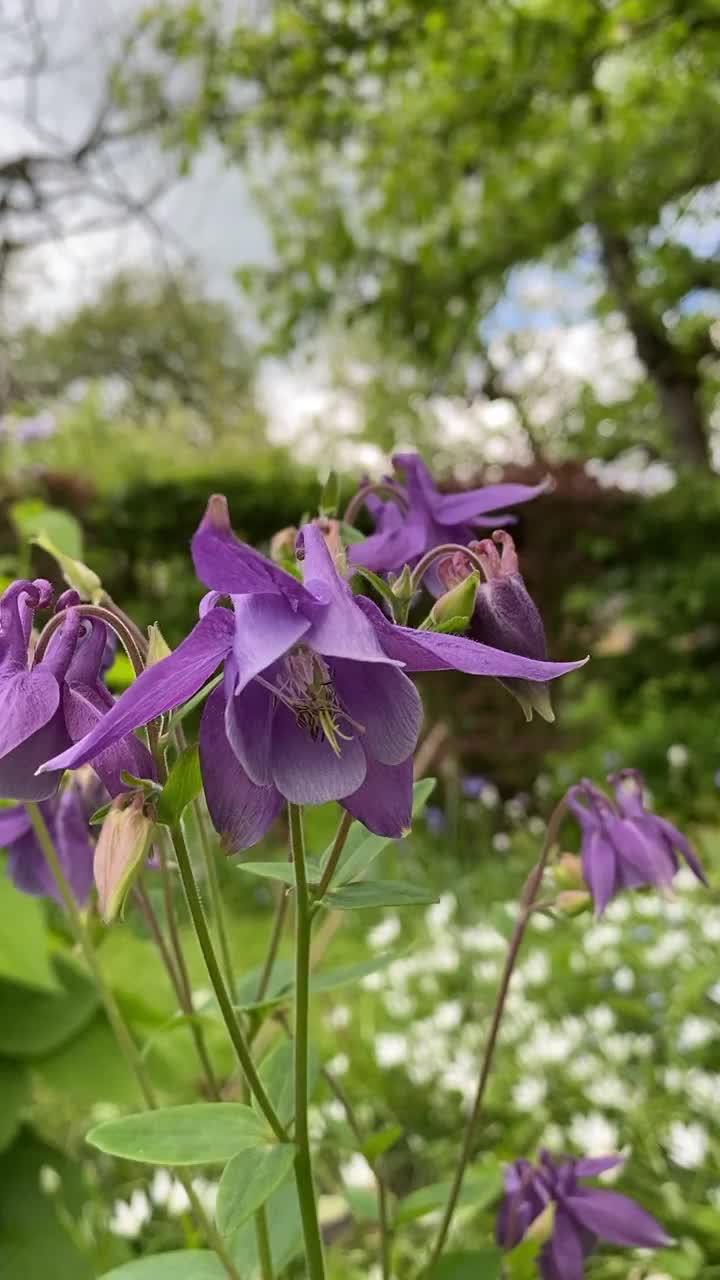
(434, 820)
(432, 517)
(66, 815)
(582, 1215)
(48, 705)
(471, 786)
(314, 705)
(623, 846)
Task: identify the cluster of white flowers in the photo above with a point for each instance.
(165, 1193)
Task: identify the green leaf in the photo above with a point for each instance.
(32, 518)
(350, 534)
(484, 1264)
(77, 575)
(521, 1263)
(283, 871)
(363, 1203)
(276, 1073)
(283, 992)
(183, 784)
(379, 584)
(249, 1179)
(196, 700)
(35, 1023)
(24, 945)
(14, 1092)
(479, 1190)
(200, 1133)
(286, 1234)
(378, 893)
(378, 1143)
(183, 1264)
(362, 849)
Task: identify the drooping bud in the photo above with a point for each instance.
(453, 611)
(402, 585)
(506, 618)
(78, 576)
(573, 902)
(158, 647)
(567, 872)
(121, 850)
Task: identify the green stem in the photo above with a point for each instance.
(124, 1039)
(274, 944)
(182, 993)
(527, 902)
(223, 998)
(339, 842)
(213, 882)
(262, 1238)
(303, 1158)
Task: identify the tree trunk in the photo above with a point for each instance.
(674, 373)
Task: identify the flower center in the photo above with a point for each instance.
(306, 686)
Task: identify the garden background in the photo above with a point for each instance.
(489, 232)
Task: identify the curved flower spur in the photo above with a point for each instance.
(315, 704)
(54, 701)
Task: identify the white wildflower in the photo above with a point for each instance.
(694, 1032)
(601, 1019)
(178, 1201)
(338, 1017)
(687, 1144)
(399, 1004)
(384, 933)
(501, 842)
(441, 913)
(678, 755)
(490, 796)
(624, 979)
(339, 1065)
(391, 1049)
(594, 1134)
(448, 1015)
(356, 1173)
(160, 1187)
(482, 937)
(49, 1179)
(529, 1092)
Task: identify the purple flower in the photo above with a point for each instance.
(471, 786)
(582, 1215)
(434, 820)
(432, 517)
(623, 846)
(48, 705)
(66, 815)
(314, 704)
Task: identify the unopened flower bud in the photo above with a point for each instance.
(568, 873)
(158, 647)
(330, 496)
(573, 902)
(506, 618)
(453, 611)
(120, 852)
(282, 545)
(401, 585)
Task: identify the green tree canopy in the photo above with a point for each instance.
(411, 155)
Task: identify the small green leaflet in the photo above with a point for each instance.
(276, 1073)
(378, 1143)
(199, 1133)
(479, 1189)
(183, 1264)
(284, 871)
(362, 894)
(181, 788)
(248, 1181)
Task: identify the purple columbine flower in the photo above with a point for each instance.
(432, 518)
(623, 846)
(315, 704)
(46, 706)
(582, 1215)
(67, 817)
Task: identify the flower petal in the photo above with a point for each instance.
(593, 1166)
(29, 699)
(225, 564)
(431, 651)
(266, 627)
(616, 1218)
(462, 508)
(386, 703)
(384, 801)
(240, 811)
(599, 868)
(391, 547)
(562, 1258)
(166, 685)
(14, 823)
(248, 724)
(19, 769)
(340, 630)
(677, 840)
(73, 843)
(84, 708)
(306, 769)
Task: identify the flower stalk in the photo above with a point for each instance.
(526, 907)
(303, 1158)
